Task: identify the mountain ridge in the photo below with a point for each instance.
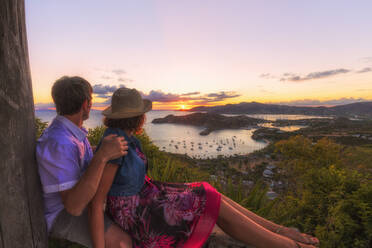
(360, 109)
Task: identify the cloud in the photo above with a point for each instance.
(154, 95)
(366, 59)
(106, 77)
(99, 90)
(216, 97)
(364, 70)
(105, 91)
(127, 80)
(118, 72)
(191, 93)
(267, 76)
(213, 97)
(159, 96)
(313, 75)
(314, 102)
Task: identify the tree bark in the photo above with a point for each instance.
(21, 206)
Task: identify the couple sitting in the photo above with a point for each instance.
(139, 212)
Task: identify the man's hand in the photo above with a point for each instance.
(113, 147)
(77, 198)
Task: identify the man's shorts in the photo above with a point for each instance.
(75, 228)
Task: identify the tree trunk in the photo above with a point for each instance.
(21, 207)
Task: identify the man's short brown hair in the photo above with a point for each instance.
(69, 94)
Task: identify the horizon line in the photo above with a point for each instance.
(100, 108)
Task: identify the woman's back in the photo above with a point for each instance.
(130, 175)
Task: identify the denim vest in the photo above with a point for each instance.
(130, 175)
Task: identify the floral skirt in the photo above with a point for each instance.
(167, 214)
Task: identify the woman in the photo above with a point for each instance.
(158, 214)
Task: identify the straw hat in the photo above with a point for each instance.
(126, 103)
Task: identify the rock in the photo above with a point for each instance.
(205, 132)
(267, 173)
(219, 239)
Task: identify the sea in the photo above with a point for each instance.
(185, 139)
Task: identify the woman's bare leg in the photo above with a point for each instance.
(285, 231)
(244, 229)
(256, 218)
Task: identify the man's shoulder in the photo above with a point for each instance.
(55, 143)
(56, 134)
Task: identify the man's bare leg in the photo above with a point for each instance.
(115, 237)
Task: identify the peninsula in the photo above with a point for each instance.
(212, 122)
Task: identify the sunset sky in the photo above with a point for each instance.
(205, 52)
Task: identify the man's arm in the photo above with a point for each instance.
(77, 198)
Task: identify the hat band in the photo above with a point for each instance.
(114, 110)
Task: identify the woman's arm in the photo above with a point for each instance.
(76, 199)
(96, 211)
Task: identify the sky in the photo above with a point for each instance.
(181, 54)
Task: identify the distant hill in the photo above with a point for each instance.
(363, 109)
(211, 121)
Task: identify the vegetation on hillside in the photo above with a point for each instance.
(328, 191)
(39, 127)
(325, 195)
(349, 132)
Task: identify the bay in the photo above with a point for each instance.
(185, 139)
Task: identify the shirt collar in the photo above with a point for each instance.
(129, 139)
(79, 133)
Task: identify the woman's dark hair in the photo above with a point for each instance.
(132, 124)
(69, 94)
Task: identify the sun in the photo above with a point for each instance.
(183, 107)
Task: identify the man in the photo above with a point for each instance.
(69, 172)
